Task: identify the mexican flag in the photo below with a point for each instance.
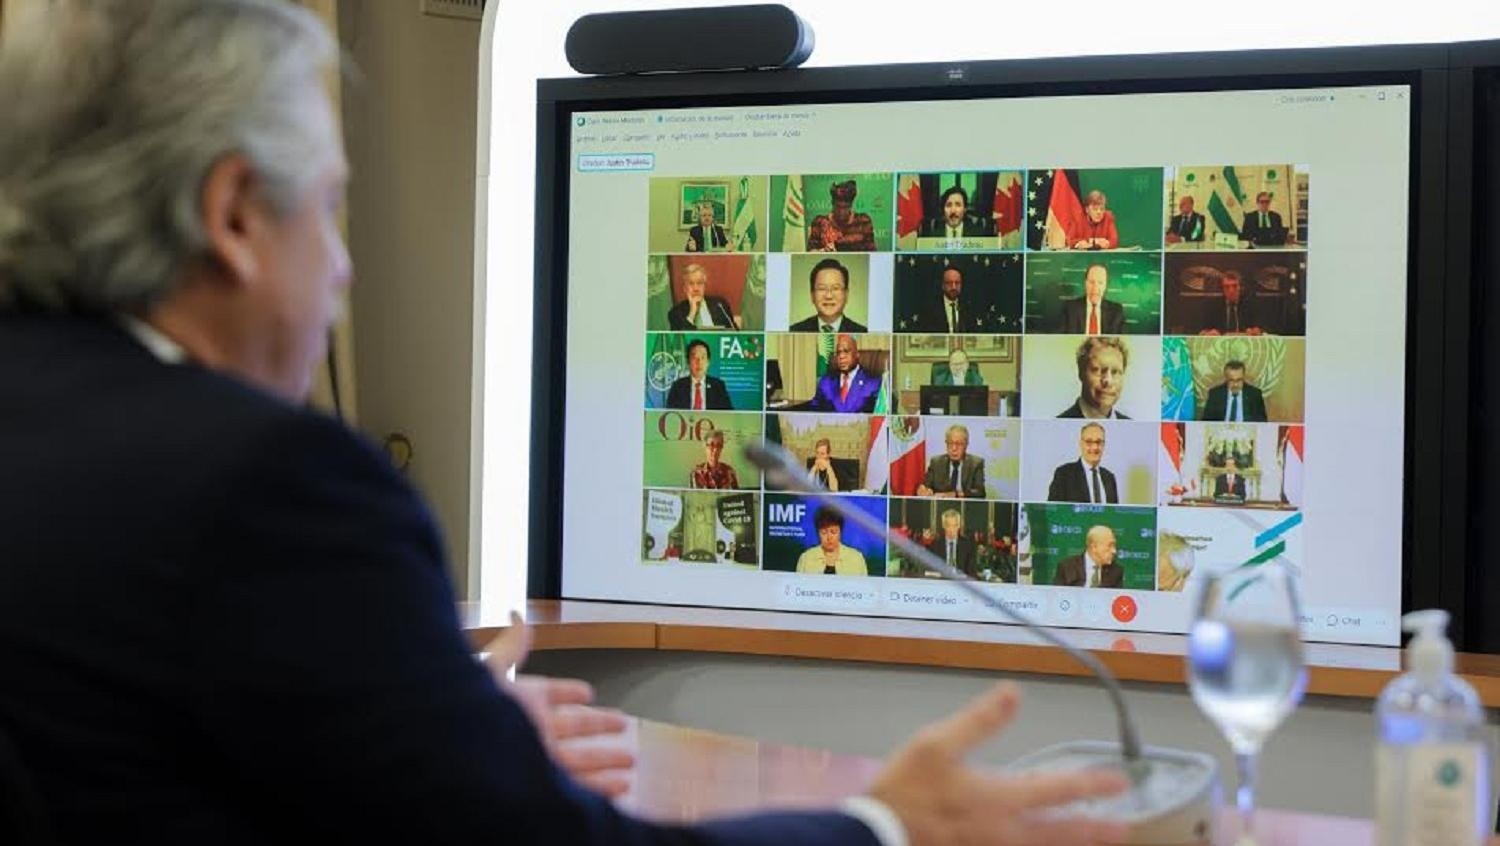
(877, 457)
(794, 238)
(745, 233)
(907, 449)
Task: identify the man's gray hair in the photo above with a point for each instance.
(115, 111)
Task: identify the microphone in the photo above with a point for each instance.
(1173, 792)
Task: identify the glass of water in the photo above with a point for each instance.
(1245, 662)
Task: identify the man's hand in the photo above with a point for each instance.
(582, 740)
(941, 801)
(923, 490)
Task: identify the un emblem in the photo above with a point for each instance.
(662, 370)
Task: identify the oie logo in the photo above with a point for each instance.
(662, 370)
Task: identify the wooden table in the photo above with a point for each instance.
(1333, 669)
(685, 775)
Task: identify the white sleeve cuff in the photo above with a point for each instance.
(878, 817)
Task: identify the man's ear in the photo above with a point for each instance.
(232, 211)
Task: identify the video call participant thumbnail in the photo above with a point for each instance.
(952, 547)
(949, 312)
(828, 473)
(829, 556)
(1095, 229)
(846, 387)
(1232, 313)
(1263, 227)
(1085, 480)
(1101, 375)
(707, 235)
(828, 284)
(1092, 313)
(843, 229)
(959, 371)
(1096, 566)
(697, 310)
(956, 222)
(1235, 400)
(955, 473)
(698, 390)
(1187, 226)
(712, 473)
(1230, 484)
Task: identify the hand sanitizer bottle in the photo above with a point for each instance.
(1432, 770)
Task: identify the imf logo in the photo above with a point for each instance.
(662, 370)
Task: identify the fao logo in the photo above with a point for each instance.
(662, 370)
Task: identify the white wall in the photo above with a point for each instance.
(409, 122)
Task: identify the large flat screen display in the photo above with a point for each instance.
(1081, 347)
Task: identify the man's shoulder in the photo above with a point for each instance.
(806, 325)
(852, 326)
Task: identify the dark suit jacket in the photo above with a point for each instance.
(811, 325)
(1216, 314)
(963, 553)
(973, 227)
(864, 391)
(1072, 573)
(1223, 488)
(1071, 484)
(1218, 404)
(1075, 411)
(715, 395)
(1075, 317)
(718, 312)
(845, 470)
(718, 240)
(935, 317)
(970, 475)
(225, 619)
(1187, 227)
(1273, 235)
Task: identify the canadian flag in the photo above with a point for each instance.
(908, 452)
(1171, 461)
(1291, 466)
(1009, 206)
(877, 461)
(908, 205)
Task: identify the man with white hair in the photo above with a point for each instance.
(224, 618)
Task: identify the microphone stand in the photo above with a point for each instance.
(780, 464)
